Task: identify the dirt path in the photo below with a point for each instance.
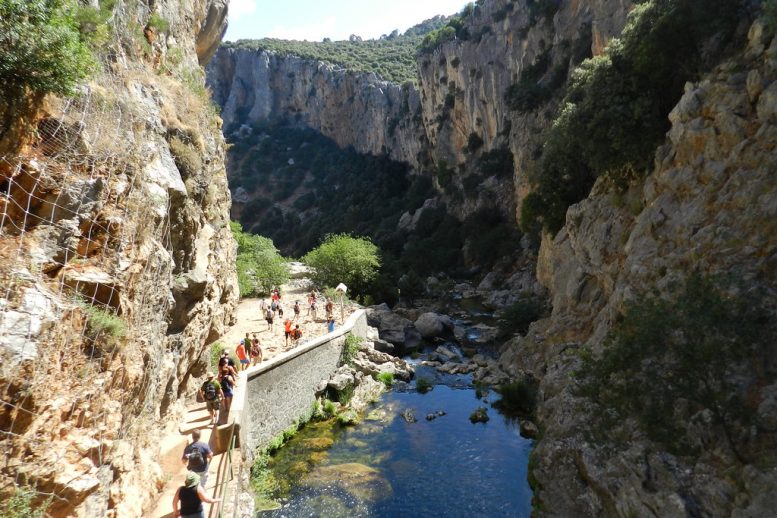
(250, 319)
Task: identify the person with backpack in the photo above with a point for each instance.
(190, 497)
(269, 318)
(228, 383)
(329, 308)
(296, 310)
(197, 456)
(296, 334)
(256, 351)
(212, 394)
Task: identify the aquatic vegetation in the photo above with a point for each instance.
(387, 378)
(423, 385)
(358, 480)
(348, 417)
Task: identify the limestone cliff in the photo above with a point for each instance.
(708, 206)
(460, 95)
(117, 265)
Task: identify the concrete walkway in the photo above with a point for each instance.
(249, 319)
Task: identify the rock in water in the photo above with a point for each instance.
(479, 416)
(409, 415)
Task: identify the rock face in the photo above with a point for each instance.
(708, 206)
(116, 267)
(460, 93)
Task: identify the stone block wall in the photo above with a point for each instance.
(279, 392)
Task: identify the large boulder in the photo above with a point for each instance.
(392, 327)
(430, 325)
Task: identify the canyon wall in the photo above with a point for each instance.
(460, 93)
(117, 265)
(707, 206)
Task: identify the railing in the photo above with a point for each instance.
(222, 480)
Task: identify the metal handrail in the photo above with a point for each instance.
(223, 487)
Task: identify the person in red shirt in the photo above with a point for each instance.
(242, 353)
(287, 330)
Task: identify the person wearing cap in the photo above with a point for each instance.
(190, 496)
(212, 394)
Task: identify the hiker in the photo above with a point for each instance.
(280, 310)
(274, 306)
(212, 394)
(228, 383)
(226, 360)
(269, 316)
(287, 330)
(256, 350)
(276, 295)
(296, 334)
(191, 495)
(242, 352)
(263, 306)
(329, 308)
(197, 455)
(311, 301)
(296, 310)
(330, 325)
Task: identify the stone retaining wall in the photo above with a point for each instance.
(272, 396)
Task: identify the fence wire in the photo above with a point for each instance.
(85, 238)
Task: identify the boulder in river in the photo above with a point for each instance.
(393, 328)
(430, 325)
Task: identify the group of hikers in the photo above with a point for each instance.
(218, 390)
(291, 329)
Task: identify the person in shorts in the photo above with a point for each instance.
(197, 455)
(269, 317)
(256, 350)
(242, 352)
(212, 394)
(287, 330)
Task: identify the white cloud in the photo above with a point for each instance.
(316, 31)
(241, 7)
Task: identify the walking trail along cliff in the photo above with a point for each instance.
(249, 319)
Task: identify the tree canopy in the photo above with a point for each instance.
(259, 265)
(353, 261)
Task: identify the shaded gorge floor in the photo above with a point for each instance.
(390, 466)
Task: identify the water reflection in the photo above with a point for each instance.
(388, 467)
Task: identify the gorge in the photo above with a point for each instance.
(611, 161)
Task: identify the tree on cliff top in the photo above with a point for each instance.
(343, 258)
(41, 47)
(259, 265)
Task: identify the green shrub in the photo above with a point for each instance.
(41, 48)
(517, 317)
(667, 359)
(353, 261)
(387, 378)
(423, 385)
(103, 324)
(497, 162)
(615, 110)
(350, 348)
(22, 504)
(158, 23)
(329, 408)
(259, 265)
(345, 395)
(519, 397)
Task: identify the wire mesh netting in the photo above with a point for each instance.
(87, 256)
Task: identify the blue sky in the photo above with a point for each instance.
(337, 19)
